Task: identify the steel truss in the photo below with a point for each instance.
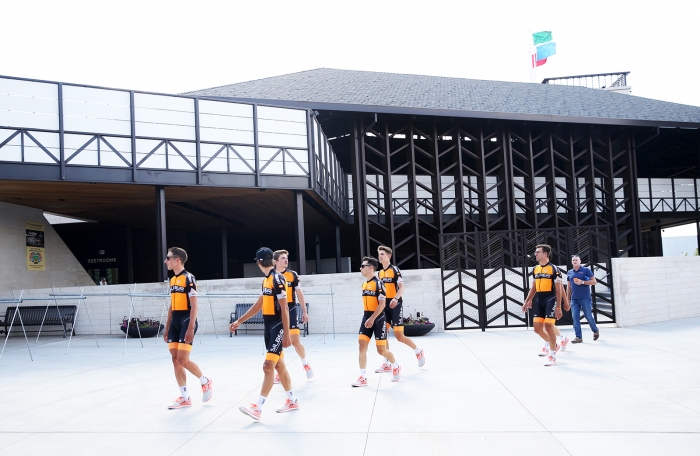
(486, 275)
(418, 179)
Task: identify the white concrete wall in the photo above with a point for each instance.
(423, 293)
(655, 289)
(62, 269)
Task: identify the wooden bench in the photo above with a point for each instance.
(257, 319)
(40, 315)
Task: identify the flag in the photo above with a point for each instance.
(536, 63)
(541, 37)
(546, 50)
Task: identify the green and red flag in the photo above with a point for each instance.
(544, 47)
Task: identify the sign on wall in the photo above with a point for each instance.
(36, 255)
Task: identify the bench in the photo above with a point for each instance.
(303, 326)
(257, 319)
(241, 309)
(36, 315)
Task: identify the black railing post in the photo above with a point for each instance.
(480, 285)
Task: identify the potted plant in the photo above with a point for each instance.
(147, 328)
(418, 326)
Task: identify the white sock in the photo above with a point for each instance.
(562, 337)
(386, 361)
(261, 402)
(363, 373)
(546, 345)
(304, 361)
(291, 396)
(184, 393)
(203, 380)
(417, 350)
(394, 365)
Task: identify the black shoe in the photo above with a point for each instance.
(596, 335)
(577, 340)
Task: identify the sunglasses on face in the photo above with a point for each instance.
(364, 265)
(168, 258)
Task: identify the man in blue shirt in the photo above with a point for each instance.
(579, 293)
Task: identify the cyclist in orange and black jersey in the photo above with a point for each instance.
(273, 304)
(373, 321)
(390, 276)
(181, 326)
(546, 294)
(293, 292)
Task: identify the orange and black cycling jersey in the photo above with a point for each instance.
(182, 286)
(545, 278)
(274, 288)
(391, 278)
(372, 293)
(292, 284)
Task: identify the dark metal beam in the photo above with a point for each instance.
(129, 255)
(318, 254)
(299, 232)
(338, 263)
(61, 141)
(358, 186)
(197, 141)
(224, 249)
(161, 234)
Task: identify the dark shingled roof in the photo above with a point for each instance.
(366, 91)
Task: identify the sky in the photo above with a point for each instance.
(176, 46)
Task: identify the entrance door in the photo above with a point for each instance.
(104, 276)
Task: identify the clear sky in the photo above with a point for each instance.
(175, 46)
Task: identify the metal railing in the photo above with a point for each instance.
(591, 81)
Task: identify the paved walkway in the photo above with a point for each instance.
(635, 391)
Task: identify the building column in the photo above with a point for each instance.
(318, 254)
(337, 250)
(130, 255)
(299, 232)
(224, 250)
(161, 237)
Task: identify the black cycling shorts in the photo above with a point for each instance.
(394, 316)
(274, 332)
(179, 324)
(293, 320)
(378, 329)
(544, 305)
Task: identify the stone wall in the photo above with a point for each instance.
(423, 293)
(655, 289)
(646, 290)
(62, 268)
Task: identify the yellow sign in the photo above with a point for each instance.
(35, 226)
(36, 259)
(36, 254)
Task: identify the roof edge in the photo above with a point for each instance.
(348, 107)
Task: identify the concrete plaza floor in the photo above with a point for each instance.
(634, 391)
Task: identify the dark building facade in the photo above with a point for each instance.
(431, 155)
